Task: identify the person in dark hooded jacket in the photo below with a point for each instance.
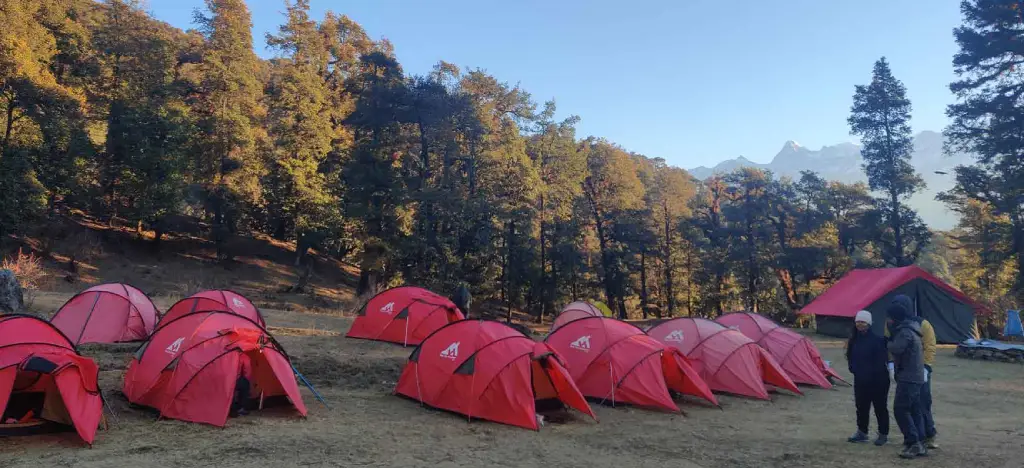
(867, 357)
(908, 363)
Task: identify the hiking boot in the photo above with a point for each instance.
(881, 440)
(242, 411)
(858, 437)
(930, 444)
(914, 451)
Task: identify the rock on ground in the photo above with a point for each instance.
(11, 298)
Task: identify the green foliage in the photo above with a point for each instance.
(986, 120)
(301, 193)
(881, 117)
(22, 197)
(456, 180)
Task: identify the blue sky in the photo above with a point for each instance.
(692, 81)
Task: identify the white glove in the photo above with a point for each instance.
(892, 370)
(926, 375)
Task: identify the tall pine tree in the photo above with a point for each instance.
(988, 120)
(299, 189)
(881, 117)
(230, 115)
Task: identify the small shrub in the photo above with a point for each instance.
(29, 271)
(27, 268)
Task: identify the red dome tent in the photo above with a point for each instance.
(574, 311)
(215, 300)
(43, 377)
(726, 359)
(614, 361)
(188, 368)
(404, 315)
(108, 313)
(950, 312)
(488, 370)
(795, 352)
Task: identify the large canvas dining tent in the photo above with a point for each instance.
(950, 311)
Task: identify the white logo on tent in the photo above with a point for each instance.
(451, 352)
(174, 347)
(388, 308)
(237, 303)
(582, 343)
(676, 336)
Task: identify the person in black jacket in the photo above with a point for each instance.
(908, 371)
(867, 355)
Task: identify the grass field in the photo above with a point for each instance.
(977, 404)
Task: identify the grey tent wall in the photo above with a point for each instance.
(952, 320)
(839, 327)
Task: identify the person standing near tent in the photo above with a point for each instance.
(463, 299)
(242, 386)
(928, 345)
(908, 371)
(867, 356)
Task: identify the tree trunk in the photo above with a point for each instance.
(10, 125)
(506, 291)
(280, 229)
(669, 293)
(365, 282)
(605, 255)
(786, 280)
(304, 276)
(751, 268)
(689, 281)
(897, 229)
(301, 247)
(424, 154)
(543, 267)
(1018, 246)
(643, 283)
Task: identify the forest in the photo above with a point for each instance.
(457, 177)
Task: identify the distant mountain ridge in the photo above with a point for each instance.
(843, 163)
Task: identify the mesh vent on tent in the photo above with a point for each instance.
(468, 367)
(38, 364)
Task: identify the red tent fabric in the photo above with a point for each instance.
(860, 288)
(573, 311)
(404, 315)
(188, 368)
(795, 352)
(488, 370)
(36, 359)
(614, 361)
(215, 300)
(108, 313)
(726, 359)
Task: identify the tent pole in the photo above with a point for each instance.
(109, 410)
(310, 386)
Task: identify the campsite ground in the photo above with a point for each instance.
(978, 404)
(977, 407)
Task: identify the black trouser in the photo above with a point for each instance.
(241, 395)
(926, 406)
(868, 392)
(907, 409)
